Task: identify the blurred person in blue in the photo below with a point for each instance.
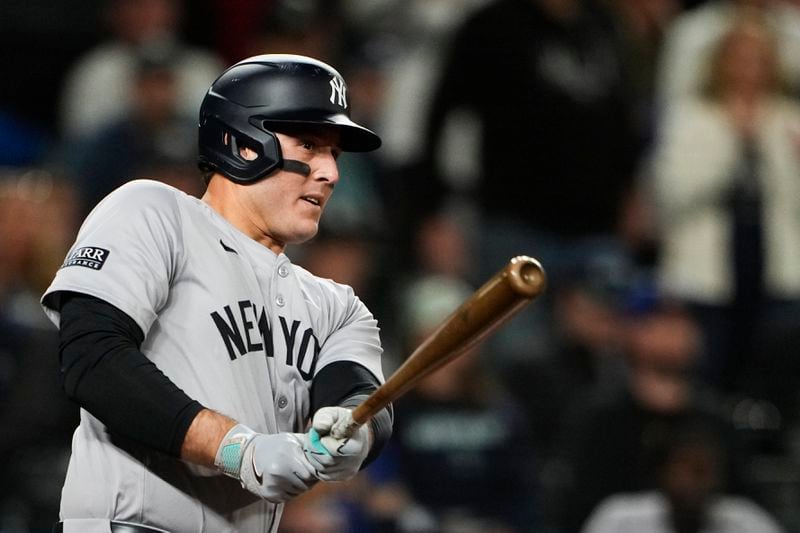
(535, 93)
(725, 181)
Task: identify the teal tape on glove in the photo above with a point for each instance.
(316, 442)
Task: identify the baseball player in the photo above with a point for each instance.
(202, 358)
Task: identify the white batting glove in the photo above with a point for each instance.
(273, 467)
(335, 459)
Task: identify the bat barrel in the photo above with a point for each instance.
(500, 298)
(526, 276)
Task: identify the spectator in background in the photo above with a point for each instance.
(38, 220)
(97, 89)
(535, 91)
(607, 438)
(694, 35)
(689, 496)
(152, 135)
(726, 183)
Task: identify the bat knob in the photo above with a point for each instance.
(526, 276)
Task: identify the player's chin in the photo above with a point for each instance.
(305, 232)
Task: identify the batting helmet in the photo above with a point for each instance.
(261, 93)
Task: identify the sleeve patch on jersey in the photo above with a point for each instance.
(87, 256)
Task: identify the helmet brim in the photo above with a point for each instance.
(354, 137)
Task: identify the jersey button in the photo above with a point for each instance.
(282, 402)
(280, 301)
(283, 271)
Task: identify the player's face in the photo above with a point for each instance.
(287, 206)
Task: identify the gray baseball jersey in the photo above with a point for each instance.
(237, 327)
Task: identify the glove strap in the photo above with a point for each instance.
(231, 449)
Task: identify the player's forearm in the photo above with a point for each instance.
(106, 373)
(204, 437)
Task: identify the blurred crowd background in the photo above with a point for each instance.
(647, 152)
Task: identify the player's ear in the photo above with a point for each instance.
(245, 152)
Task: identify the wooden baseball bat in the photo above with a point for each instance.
(500, 298)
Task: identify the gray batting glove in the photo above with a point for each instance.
(335, 459)
(273, 467)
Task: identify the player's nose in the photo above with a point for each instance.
(328, 169)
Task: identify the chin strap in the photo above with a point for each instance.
(290, 165)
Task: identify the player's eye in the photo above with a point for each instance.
(309, 145)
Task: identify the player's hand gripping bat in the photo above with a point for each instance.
(503, 296)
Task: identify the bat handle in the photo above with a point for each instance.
(344, 427)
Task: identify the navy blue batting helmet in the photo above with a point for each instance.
(262, 93)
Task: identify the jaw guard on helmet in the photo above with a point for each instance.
(262, 93)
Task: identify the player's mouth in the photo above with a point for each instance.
(313, 200)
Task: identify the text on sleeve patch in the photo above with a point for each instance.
(87, 256)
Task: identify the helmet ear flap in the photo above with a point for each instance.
(236, 148)
(221, 151)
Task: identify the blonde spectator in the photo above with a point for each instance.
(692, 37)
(726, 170)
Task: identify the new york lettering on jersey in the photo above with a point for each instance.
(244, 328)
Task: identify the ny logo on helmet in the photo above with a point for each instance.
(338, 89)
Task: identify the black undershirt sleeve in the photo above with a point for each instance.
(346, 383)
(105, 372)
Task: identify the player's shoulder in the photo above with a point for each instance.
(144, 193)
(141, 199)
(147, 187)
